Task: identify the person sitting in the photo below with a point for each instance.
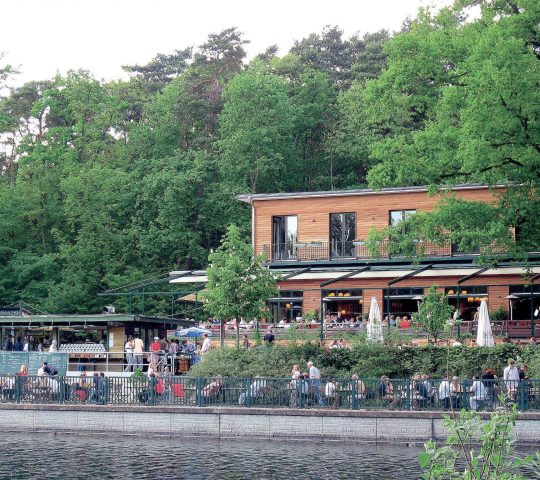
(255, 391)
(478, 393)
(187, 348)
(419, 392)
(334, 344)
(8, 386)
(456, 392)
(386, 392)
(212, 391)
(444, 392)
(149, 394)
(330, 392)
(405, 323)
(358, 390)
(246, 343)
(82, 388)
(269, 337)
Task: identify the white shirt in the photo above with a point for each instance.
(314, 373)
(138, 346)
(444, 389)
(206, 345)
(330, 389)
(53, 385)
(478, 390)
(128, 347)
(511, 376)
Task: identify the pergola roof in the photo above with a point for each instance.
(33, 320)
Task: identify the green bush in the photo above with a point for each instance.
(365, 360)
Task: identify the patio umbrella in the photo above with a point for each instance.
(484, 336)
(192, 332)
(374, 326)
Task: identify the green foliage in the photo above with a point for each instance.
(434, 313)
(498, 315)
(238, 285)
(459, 103)
(255, 127)
(494, 458)
(105, 183)
(367, 360)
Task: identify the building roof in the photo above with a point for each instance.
(249, 198)
(33, 320)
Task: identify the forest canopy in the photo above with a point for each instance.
(103, 183)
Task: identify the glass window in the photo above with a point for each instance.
(284, 237)
(342, 234)
(397, 216)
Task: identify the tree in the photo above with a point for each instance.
(161, 69)
(434, 313)
(255, 130)
(460, 103)
(238, 285)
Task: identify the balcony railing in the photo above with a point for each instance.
(359, 250)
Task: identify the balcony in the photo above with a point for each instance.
(357, 250)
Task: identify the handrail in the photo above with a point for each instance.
(360, 250)
(270, 392)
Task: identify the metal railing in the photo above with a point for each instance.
(305, 251)
(368, 393)
(119, 362)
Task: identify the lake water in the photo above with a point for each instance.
(43, 456)
(98, 457)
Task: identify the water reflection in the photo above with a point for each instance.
(44, 456)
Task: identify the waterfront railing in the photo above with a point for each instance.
(328, 393)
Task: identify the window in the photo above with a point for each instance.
(342, 234)
(284, 237)
(397, 216)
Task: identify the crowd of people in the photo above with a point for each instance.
(27, 344)
(162, 352)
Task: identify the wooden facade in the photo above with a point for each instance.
(316, 275)
(372, 209)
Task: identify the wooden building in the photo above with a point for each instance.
(316, 242)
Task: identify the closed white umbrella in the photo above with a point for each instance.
(484, 336)
(374, 326)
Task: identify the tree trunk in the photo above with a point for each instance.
(237, 333)
(222, 332)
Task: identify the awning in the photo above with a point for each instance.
(342, 299)
(197, 278)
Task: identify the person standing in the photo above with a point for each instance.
(8, 345)
(207, 344)
(128, 347)
(138, 348)
(488, 379)
(155, 348)
(315, 382)
(511, 379)
(19, 345)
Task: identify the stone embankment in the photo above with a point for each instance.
(318, 425)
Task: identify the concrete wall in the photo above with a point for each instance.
(361, 426)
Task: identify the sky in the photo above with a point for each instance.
(43, 37)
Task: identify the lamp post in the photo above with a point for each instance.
(511, 298)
